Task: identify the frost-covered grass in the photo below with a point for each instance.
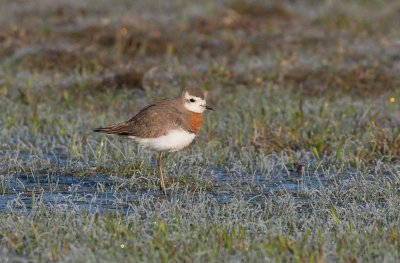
(188, 227)
(292, 83)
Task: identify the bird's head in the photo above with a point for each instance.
(195, 100)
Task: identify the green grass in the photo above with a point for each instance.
(196, 228)
(293, 83)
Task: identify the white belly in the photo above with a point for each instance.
(171, 142)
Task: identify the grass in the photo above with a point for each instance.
(294, 83)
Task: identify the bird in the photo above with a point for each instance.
(167, 125)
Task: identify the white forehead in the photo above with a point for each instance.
(198, 99)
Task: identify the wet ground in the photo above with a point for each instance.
(100, 193)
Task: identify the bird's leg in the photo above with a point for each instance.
(159, 164)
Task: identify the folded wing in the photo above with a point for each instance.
(153, 121)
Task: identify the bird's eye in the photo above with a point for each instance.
(192, 100)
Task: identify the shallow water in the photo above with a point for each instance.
(103, 193)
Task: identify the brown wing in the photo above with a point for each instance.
(153, 121)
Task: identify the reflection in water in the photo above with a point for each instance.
(103, 193)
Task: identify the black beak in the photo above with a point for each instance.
(209, 107)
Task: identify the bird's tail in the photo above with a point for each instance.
(102, 129)
(119, 129)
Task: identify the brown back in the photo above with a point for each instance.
(154, 120)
